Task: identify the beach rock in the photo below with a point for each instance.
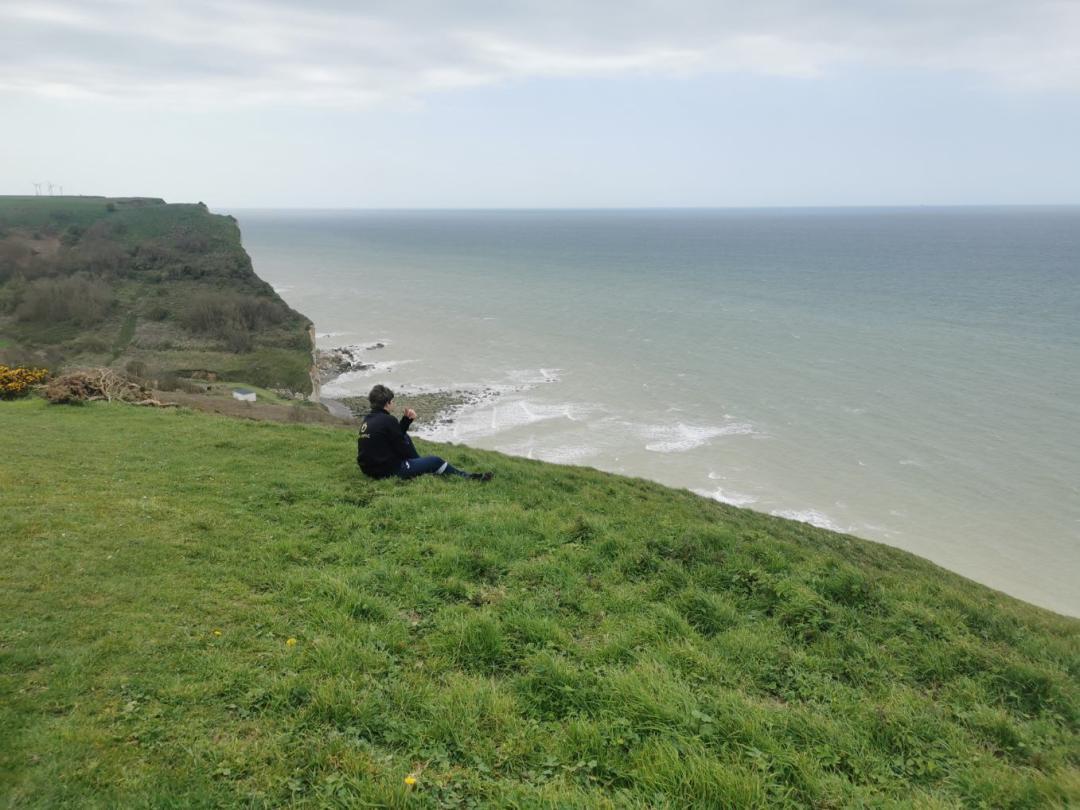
(332, 363)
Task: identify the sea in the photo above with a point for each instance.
(907, 375)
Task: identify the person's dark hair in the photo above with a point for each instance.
(379, 397)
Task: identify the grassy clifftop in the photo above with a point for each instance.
(196, 611)
(144, 286)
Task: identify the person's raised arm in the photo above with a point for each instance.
(398, 438)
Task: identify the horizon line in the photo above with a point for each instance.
(600, 208)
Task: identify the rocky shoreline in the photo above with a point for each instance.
(433, 408)
(332, 363)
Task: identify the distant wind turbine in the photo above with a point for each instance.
(37, 189)
(51, 187)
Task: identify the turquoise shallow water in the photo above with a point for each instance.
(908, 375)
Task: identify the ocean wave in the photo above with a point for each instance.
(726, 496)
(361, 346)
(515, 381)
(811, 516)
(346, 384)
(568, 454)
(682, 437)
(328, 335)
(491, 418)
(525, 378)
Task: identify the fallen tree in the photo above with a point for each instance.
(95, 384)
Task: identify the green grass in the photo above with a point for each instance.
(46, 211)
(557, 638)
(127, 332)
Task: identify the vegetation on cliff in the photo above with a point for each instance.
(139, 285)
(197, 611)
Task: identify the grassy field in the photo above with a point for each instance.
(133, 223)
(198, 612)
(47, 211)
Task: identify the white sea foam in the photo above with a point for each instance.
(494, 417)
(360, 346)
(496, 406)
(682, 437)
(328, 335)
(569, 454)
(504, 416)
(572, 454)
(726, 496)
(529, 377)
(811, 516)
(351, 382)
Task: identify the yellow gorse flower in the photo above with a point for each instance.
(16, 381)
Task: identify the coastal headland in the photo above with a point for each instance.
(163, 292)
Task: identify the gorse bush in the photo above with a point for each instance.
(76, 299)
(16, 382)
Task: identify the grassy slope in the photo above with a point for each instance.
(281, 355)
(560, 637)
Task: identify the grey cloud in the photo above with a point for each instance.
(333, 52)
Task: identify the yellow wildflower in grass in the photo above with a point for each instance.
(290, 642)
(410, 780)
(217, 632)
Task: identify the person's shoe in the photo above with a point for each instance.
(484, 476)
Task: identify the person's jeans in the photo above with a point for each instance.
(423, 465)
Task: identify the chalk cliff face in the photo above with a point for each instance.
(316, 393)
(145, 287)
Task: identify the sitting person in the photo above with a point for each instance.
(384, 447)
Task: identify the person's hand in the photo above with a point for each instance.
(410, 413)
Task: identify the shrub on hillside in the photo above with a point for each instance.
(232, 318)
(136, 368)
(17, 382)
(90, 344)
(12, 256)
(153, 254)
(75, 299)
(98, 254)
(72, 235)
(192, 242)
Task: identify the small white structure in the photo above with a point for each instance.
(244, 394)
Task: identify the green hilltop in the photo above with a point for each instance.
(204, 612)
(154, 289)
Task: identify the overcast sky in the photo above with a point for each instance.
(479, 103)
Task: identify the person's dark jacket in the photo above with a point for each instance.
(382, 446)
